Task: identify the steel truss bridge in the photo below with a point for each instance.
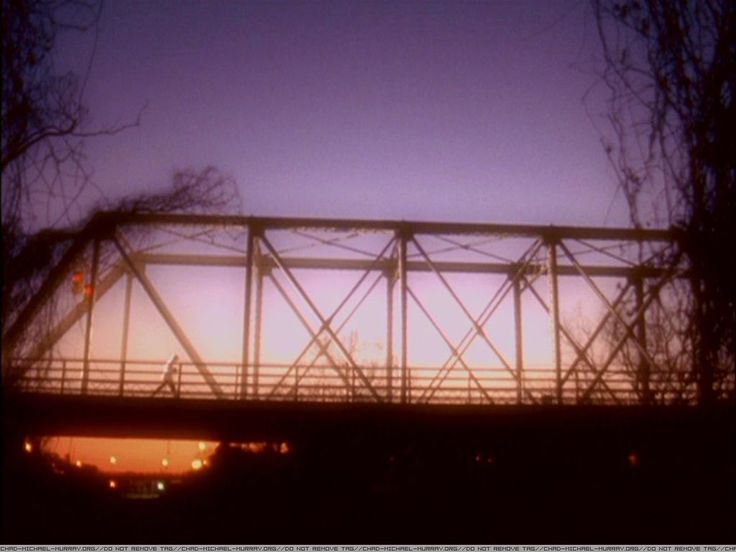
(357, 311)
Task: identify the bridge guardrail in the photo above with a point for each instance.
(317, 383)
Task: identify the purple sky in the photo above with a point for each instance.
(415, 110)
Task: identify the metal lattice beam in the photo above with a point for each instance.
(402, 253)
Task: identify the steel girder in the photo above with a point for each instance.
(523, 257)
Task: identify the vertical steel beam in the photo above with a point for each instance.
(403, 238)
(518, 342)
(77, 313)
(170, 320)
(450, 344)
(247, 311)
(323, 344)
(628, 332)
(126, 329)
(605, 301)
(90, 312)
(641, 336)
(390, 281)
(258, 318)
(325, 322)
(63, 375)
(555, 300)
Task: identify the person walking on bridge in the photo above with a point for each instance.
(168, 375)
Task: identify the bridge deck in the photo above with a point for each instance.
(43, 414)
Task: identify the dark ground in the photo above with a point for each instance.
(559, 482)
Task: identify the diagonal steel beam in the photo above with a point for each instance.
(581, 353)
(46, 290)
(629, 333)
(323, 347)
(325, 322)
(486, 314)
(341, 326)
(334, 313)
(466, 341)
(472, 247)
(605, 301)
(449, 343)
(591, 248)
(452, 361)
(169, 318)
(478, 329)
(335, 242)
(76, 313)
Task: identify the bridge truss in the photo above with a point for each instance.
(358, 311)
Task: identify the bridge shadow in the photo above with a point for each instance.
(532, 475)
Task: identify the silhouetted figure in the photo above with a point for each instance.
(167, 376)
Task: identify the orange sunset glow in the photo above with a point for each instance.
(145, 456)
(131, 455)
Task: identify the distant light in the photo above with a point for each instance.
(285, 448)
(160, 485)
(78, 282)
(113, 460)
(165, 462)
(196, 464)
(28, 447)
(256, 447)
(205, 462)
(633, 459)
(78, 463)
(113, 484)
(481, 458)
(202, 445)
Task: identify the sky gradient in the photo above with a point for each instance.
(449, 111)
(462, 111)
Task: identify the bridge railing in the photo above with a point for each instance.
(321, 383)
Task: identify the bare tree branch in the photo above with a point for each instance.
(669, 68)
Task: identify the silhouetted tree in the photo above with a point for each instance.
(44, 169)
(670, 73)
(44, 119)
(665, 375)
